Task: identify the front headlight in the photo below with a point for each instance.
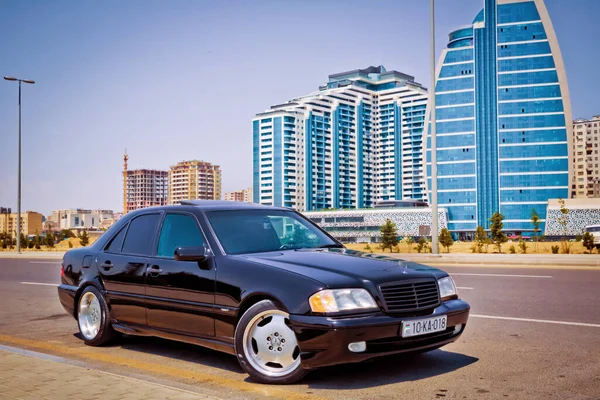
(336, 300)
(447, 288)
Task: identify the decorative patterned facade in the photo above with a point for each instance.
(364, 225)
(582, 213)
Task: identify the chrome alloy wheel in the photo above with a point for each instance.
(90, 315)
(270, 344)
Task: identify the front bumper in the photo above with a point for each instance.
(324, 340)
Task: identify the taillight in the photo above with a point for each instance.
(62, 270)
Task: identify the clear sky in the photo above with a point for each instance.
(179, 80)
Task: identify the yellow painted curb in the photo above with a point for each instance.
(90, 354)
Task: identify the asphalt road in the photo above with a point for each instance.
(533, 334)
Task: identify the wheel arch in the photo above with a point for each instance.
(95, 283)
(254, 298)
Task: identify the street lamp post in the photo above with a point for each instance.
(434, 190)
(9, 78)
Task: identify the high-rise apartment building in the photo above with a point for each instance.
(355, 141)
(143, 187)
(503, 118)
(31, 223)
(244, 195)
(584, 154)
(194, 180)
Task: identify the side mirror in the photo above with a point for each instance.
(198, 253)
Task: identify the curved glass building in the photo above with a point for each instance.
(503, 118)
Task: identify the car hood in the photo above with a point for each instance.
(338, 268)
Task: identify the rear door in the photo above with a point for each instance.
(123, 265)
(180, 294)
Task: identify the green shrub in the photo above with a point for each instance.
(523, 246)
(512, 249)
(588, 241)
(555, 249)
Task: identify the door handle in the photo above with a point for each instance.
(154, 270)
(107, 265)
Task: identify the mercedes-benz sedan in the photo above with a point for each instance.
(262, 283)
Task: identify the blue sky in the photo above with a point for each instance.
(175, 80)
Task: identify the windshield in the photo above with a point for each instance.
(257, 231)
(595, 228)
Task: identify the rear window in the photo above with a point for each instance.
(140, 235)
(593, 228)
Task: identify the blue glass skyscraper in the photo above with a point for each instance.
(503, 118)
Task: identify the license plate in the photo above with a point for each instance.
(424, 326)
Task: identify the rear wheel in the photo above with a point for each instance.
(93, 318)
(266, 345)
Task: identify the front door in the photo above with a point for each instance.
(180, 294)
(122, 266)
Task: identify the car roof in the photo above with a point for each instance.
(216, 205)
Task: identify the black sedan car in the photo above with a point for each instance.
(262, 283)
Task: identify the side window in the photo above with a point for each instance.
(140, 235)
(178, 230)
(117, 242)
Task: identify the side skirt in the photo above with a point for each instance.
(210, 343)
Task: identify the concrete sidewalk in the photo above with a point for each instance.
(26, 377)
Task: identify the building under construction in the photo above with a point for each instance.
(143, 187)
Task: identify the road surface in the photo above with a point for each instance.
(533, 334)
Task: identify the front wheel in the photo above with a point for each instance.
(93, 318)
(266, 345)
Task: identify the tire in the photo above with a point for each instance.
(93, 318)
(266, 346)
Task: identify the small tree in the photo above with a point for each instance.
(481, 239)
(49, 239)
(389, 235)
(367, 248)
(588, 241)
(65, 234)
(498, 236)
(422, 245)
(563, 221)
(409, 241)
(512, 249)
(535, 220)
(24, 242)
(84, 239)
(38, 241)
(523, 246)
(446, 239)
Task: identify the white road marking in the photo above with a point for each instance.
(39, 283)
(501, 275)
(45, 262)
(544, 321)
(464, 288)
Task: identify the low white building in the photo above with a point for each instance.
(84, 219)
